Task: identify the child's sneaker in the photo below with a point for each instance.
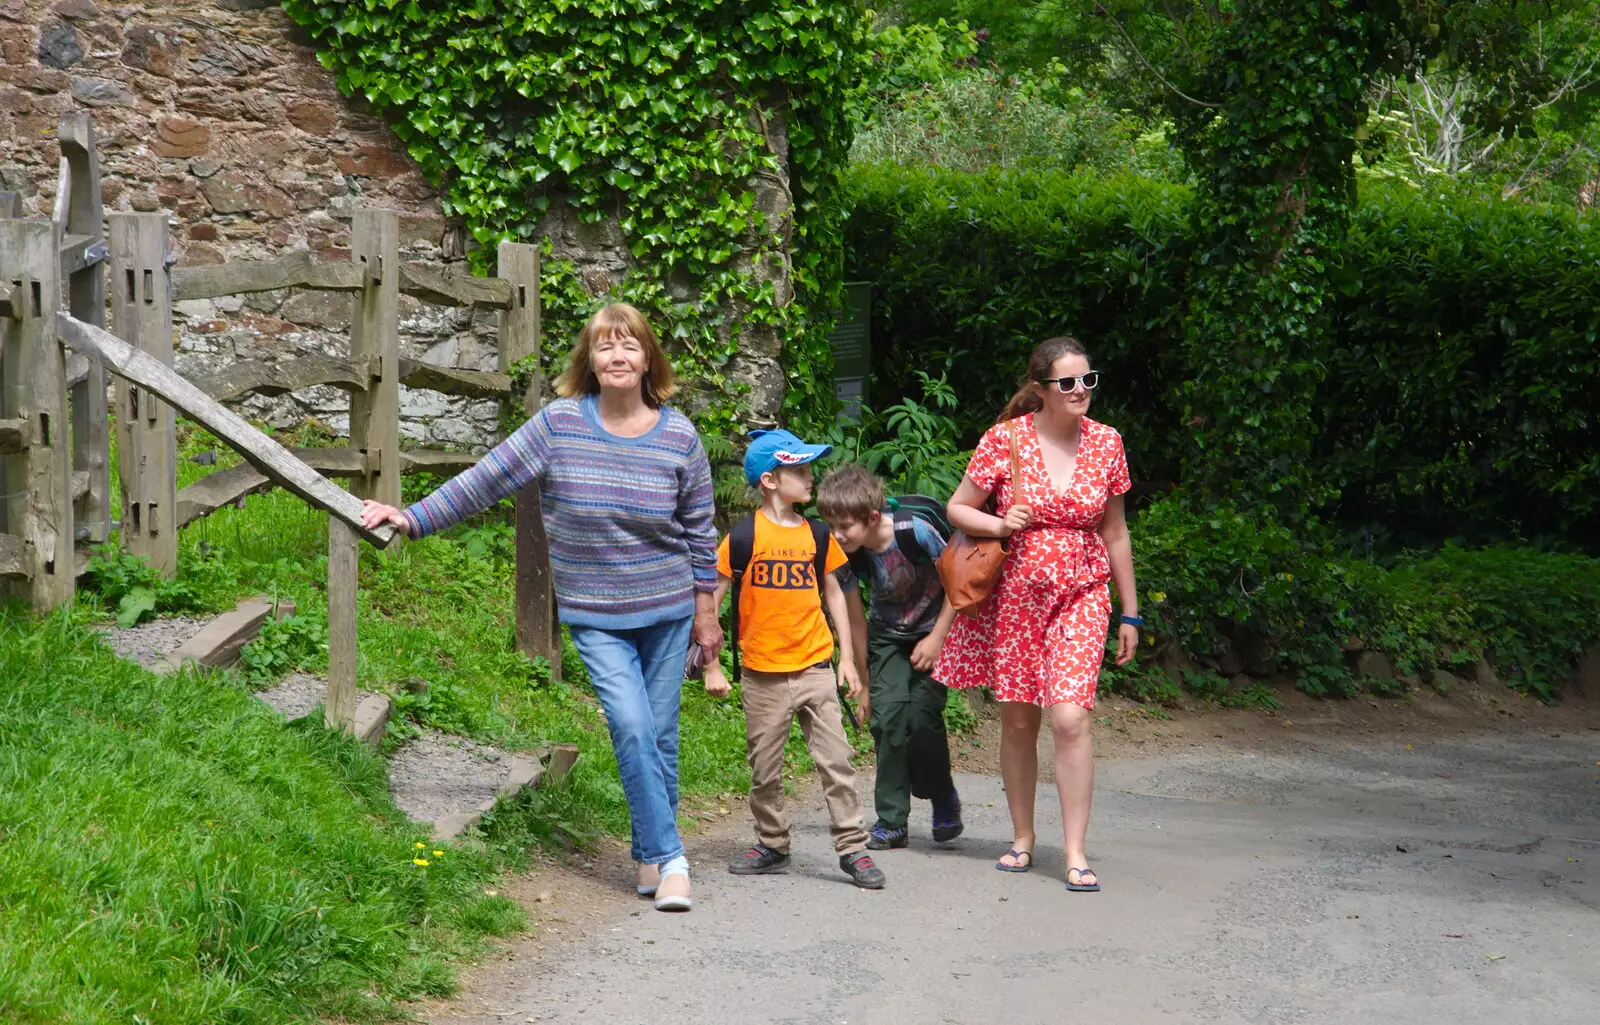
(947, 823)
(861, 870)
(881, 838)
(759, 860)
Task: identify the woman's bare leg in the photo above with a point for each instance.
(1019, 768)
(1074, 762)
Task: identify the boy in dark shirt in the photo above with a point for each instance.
(896, 650)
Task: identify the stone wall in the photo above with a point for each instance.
(218, 112)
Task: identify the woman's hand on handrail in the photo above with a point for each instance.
(374, 513)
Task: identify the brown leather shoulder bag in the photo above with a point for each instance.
(970, 567)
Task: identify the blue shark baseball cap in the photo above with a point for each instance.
(771, 449)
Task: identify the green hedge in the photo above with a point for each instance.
(1215, 582)
(970, 271)
(1463, 393)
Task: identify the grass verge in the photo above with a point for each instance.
(170, 853)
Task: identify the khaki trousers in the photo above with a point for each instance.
(772, 702)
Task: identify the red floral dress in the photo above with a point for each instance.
(1041, 636)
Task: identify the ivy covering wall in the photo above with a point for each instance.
(666, 117)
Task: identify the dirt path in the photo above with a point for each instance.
(1330, 862)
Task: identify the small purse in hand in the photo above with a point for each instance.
(694, 665)
(970, 567)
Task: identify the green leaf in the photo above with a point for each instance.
(135, 606)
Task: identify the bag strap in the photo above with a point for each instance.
(820, 535)
(905, 536)
(741, 546)
(1016, 463)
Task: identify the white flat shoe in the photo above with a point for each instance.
(649, 889)
(678, 866)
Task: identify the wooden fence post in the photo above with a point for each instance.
(374, 432)
(141, 309)
(538, 633)
(339, 708)
(37, 482)
(375, 338)
(81, 217)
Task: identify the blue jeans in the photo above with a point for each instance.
(638, 676)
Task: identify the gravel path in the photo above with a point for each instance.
(297, 694)
(1447, 882)
(149, 642)
(437, 774)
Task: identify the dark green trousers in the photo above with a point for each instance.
(908, 732)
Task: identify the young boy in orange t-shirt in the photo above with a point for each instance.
(785, 567)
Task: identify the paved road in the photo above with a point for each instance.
(1445, 884)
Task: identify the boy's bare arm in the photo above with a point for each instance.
(838, 611)
(926, 652)
(858, 633)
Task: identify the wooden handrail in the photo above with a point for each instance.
(271, 458)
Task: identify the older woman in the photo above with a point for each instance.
(1039, 639)
(625, 489)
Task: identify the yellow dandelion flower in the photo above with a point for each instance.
(419, 845)
(1286, 576)
(438, 854)
(420, 861)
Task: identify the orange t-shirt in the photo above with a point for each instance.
(781, 625)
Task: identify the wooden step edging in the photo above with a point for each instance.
(545, 767)
(217, 644)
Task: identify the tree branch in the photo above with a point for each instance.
(1101, 10)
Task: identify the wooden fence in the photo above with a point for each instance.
(54, 424)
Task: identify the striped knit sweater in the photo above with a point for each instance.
(629, 519)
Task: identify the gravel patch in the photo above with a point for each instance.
(438, 774)
(297, 694)
(148, 643)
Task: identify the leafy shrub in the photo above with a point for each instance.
(283, 645)
(1220, 580)
(1532, 614)
(126, 581)
(912, 445)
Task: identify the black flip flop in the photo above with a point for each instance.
(1016, 868)
(1080, 886)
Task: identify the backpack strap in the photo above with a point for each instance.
(741, 546)
(821, 535)
(905, 535)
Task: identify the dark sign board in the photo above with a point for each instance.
(852, 350)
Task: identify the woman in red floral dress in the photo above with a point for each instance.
(1038, 641)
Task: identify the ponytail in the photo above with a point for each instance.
(1028, 399)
